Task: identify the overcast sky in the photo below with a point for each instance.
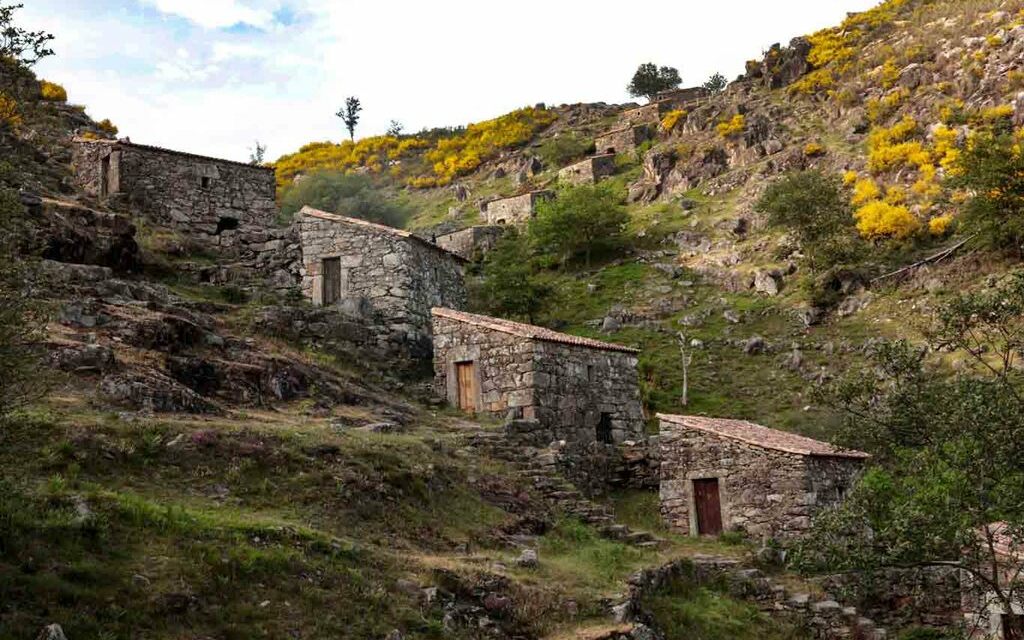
(212, 76)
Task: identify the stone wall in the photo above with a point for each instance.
(514, 210)
(651, 113)
(398, 276)
(680, 97)
(588, 171)
(472, 243)
(764, 492)
(223, 208)
(623, 140)
(563, 388)
(901, 598)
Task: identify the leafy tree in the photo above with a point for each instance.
(992, 168)
(581, 221)
(257, 154)
(812, 206)
(349, 114)
(510, 285)
(344, 194)
(395, 129)
(716, 83)
(650, 79)
(20, 315)
(27, 47)
(947, 451)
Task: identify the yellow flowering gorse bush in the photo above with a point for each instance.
(52, 92)
(732, 127)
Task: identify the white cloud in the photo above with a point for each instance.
(216, 14)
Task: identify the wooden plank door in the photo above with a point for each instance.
(708, 504)
(465, 380)
(331, 291)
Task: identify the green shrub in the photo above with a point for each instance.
(510, 286)
(992, 168)
(344, 194)
(564, 149)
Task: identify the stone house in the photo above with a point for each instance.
(471, 243)
(515, 209)
(650, 113)
(225, 208)
(681, 97)
(575, 389)
(722, 475)
(986, 617)
(394, 275)
(623, 140)
(589, 171)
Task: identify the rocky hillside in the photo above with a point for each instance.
(886, 101)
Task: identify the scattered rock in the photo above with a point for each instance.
(731, 316)
(52, 632)
(610, 325)
(384, 427)
(528, 558)
(768, 282)
(82, 358)
(754, 346)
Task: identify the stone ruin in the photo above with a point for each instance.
(589, 171)
(624, 140)
(515, 209)
(570, 388)
(722, 475)
(216, 206)
(391, 276)
(471, 243)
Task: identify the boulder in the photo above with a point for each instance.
(528, 558)
(754, 346)
(75, 234)
(82, 358)
(768, 282)
(52, 632)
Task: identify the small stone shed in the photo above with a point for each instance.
(681, 97)
(471, 243)
(515, 209)
(650, 113)
(722, 475)
(589, 171)
(623, 140)
(578, 389)
(396, 274)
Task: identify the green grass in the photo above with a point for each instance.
(683, 611)
(574, 552)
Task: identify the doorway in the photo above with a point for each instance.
(331, 290)
(1013, 627)
(604, 429)
(707, 504)
(105, 177)
(465, 383)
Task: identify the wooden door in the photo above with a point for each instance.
(465, 380)
(1013, 627)
(708, 504)
(331, 292)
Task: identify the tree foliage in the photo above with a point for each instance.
(511, 286)
(27, 47)
(716, 83)
(580, 222)
(257, 154)
(992, 168)
(20, 316)
(344, 194)
(812, 206)
(650, 79)
(947, 449)
(395, 129)
(349, 114)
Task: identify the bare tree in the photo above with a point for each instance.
(687, 359)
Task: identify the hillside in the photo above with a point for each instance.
(886, 101)
(209, 457)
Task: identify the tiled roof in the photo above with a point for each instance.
(146, 147)
(527, 330)
(759, 436)
(373, 226)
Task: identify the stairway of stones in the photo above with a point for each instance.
(540, 467)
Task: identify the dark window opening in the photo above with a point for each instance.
(205, 182)
(226, 223)
(104, 177)
(604, 429)
(590, 373)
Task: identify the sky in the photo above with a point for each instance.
(214, 76)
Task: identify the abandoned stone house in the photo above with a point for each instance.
(589, 171)
(682, 97)
(575, 389)
(986, 617)
(623, 140)
(515, 209)
(390, 274)
(224, 208)
(650, 113)
(471, 243)
(732, 475)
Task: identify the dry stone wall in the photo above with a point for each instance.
(623, 140)
(223, 208)
(399, 278)
(764, 492)
(514, 210)
(472, 243)
(589, 171)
